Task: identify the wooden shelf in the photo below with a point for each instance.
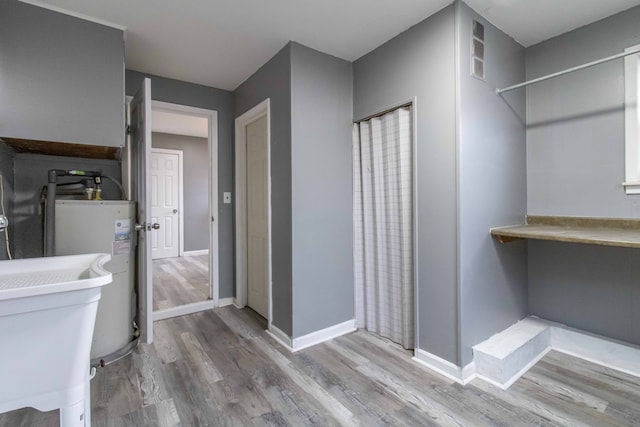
(63, 149)
(591, 231)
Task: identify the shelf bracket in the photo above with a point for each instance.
(507, 239)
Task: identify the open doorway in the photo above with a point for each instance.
(183, 194)
(136, 175)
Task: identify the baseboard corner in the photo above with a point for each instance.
(282, 338)
(323, 335)
(223, 302)
(443, 367)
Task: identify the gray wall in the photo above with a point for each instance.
(196, 178)
(61, 78)
(178, 92)
(30, 176)
(273, 80)
(6, 170)
(493, 189)
(575, 123)
(321, 170)
(575, 165)
(593, 288)
(421, 62)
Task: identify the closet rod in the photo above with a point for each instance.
(382, 113)
(567, 71)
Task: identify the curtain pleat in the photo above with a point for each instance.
(383, 226)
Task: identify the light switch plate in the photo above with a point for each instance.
(226, 197)
(4, 222)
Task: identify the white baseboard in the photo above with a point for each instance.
(193, 253)
(223, 302)
(444, 367)
(323, 335)
(317, 337)
(278, 335)
(181, 310)
(609, 353)
(468, 373)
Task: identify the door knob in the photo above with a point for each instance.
(140, 227)
(175, 211)
(155, 226)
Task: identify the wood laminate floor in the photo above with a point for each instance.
(180, 281)
(220, 368)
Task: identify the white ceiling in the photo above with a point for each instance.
(220, 43)
(532, 21)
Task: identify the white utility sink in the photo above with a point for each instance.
(47, 315)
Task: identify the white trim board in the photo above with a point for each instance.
(609, 353)
(198, 252)
(323, 335)
(223, 302)
(444, 367)
(631, 125)
(278, 335)
(313, 338)
(181, 310)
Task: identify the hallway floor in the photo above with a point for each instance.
(179, 281)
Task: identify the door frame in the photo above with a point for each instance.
(212, 116)
(180, 155)
(213, 191)
(138, 153)
(261, 110)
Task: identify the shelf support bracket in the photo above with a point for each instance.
(507, 239)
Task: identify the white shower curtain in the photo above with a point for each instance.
(383, 225)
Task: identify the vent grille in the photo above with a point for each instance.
(478, 31)
(477, 50)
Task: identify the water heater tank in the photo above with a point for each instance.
(89, 226)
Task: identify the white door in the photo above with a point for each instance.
(140, 143)
(165, 202)
(257, 217)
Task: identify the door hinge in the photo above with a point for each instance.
(128, 130)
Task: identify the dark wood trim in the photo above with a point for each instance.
(63, 149)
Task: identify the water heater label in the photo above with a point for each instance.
(123, 229)
(122, 237)
(121, 247)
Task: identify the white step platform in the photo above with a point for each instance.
(508, 355)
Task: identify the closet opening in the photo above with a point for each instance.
(384, 212)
